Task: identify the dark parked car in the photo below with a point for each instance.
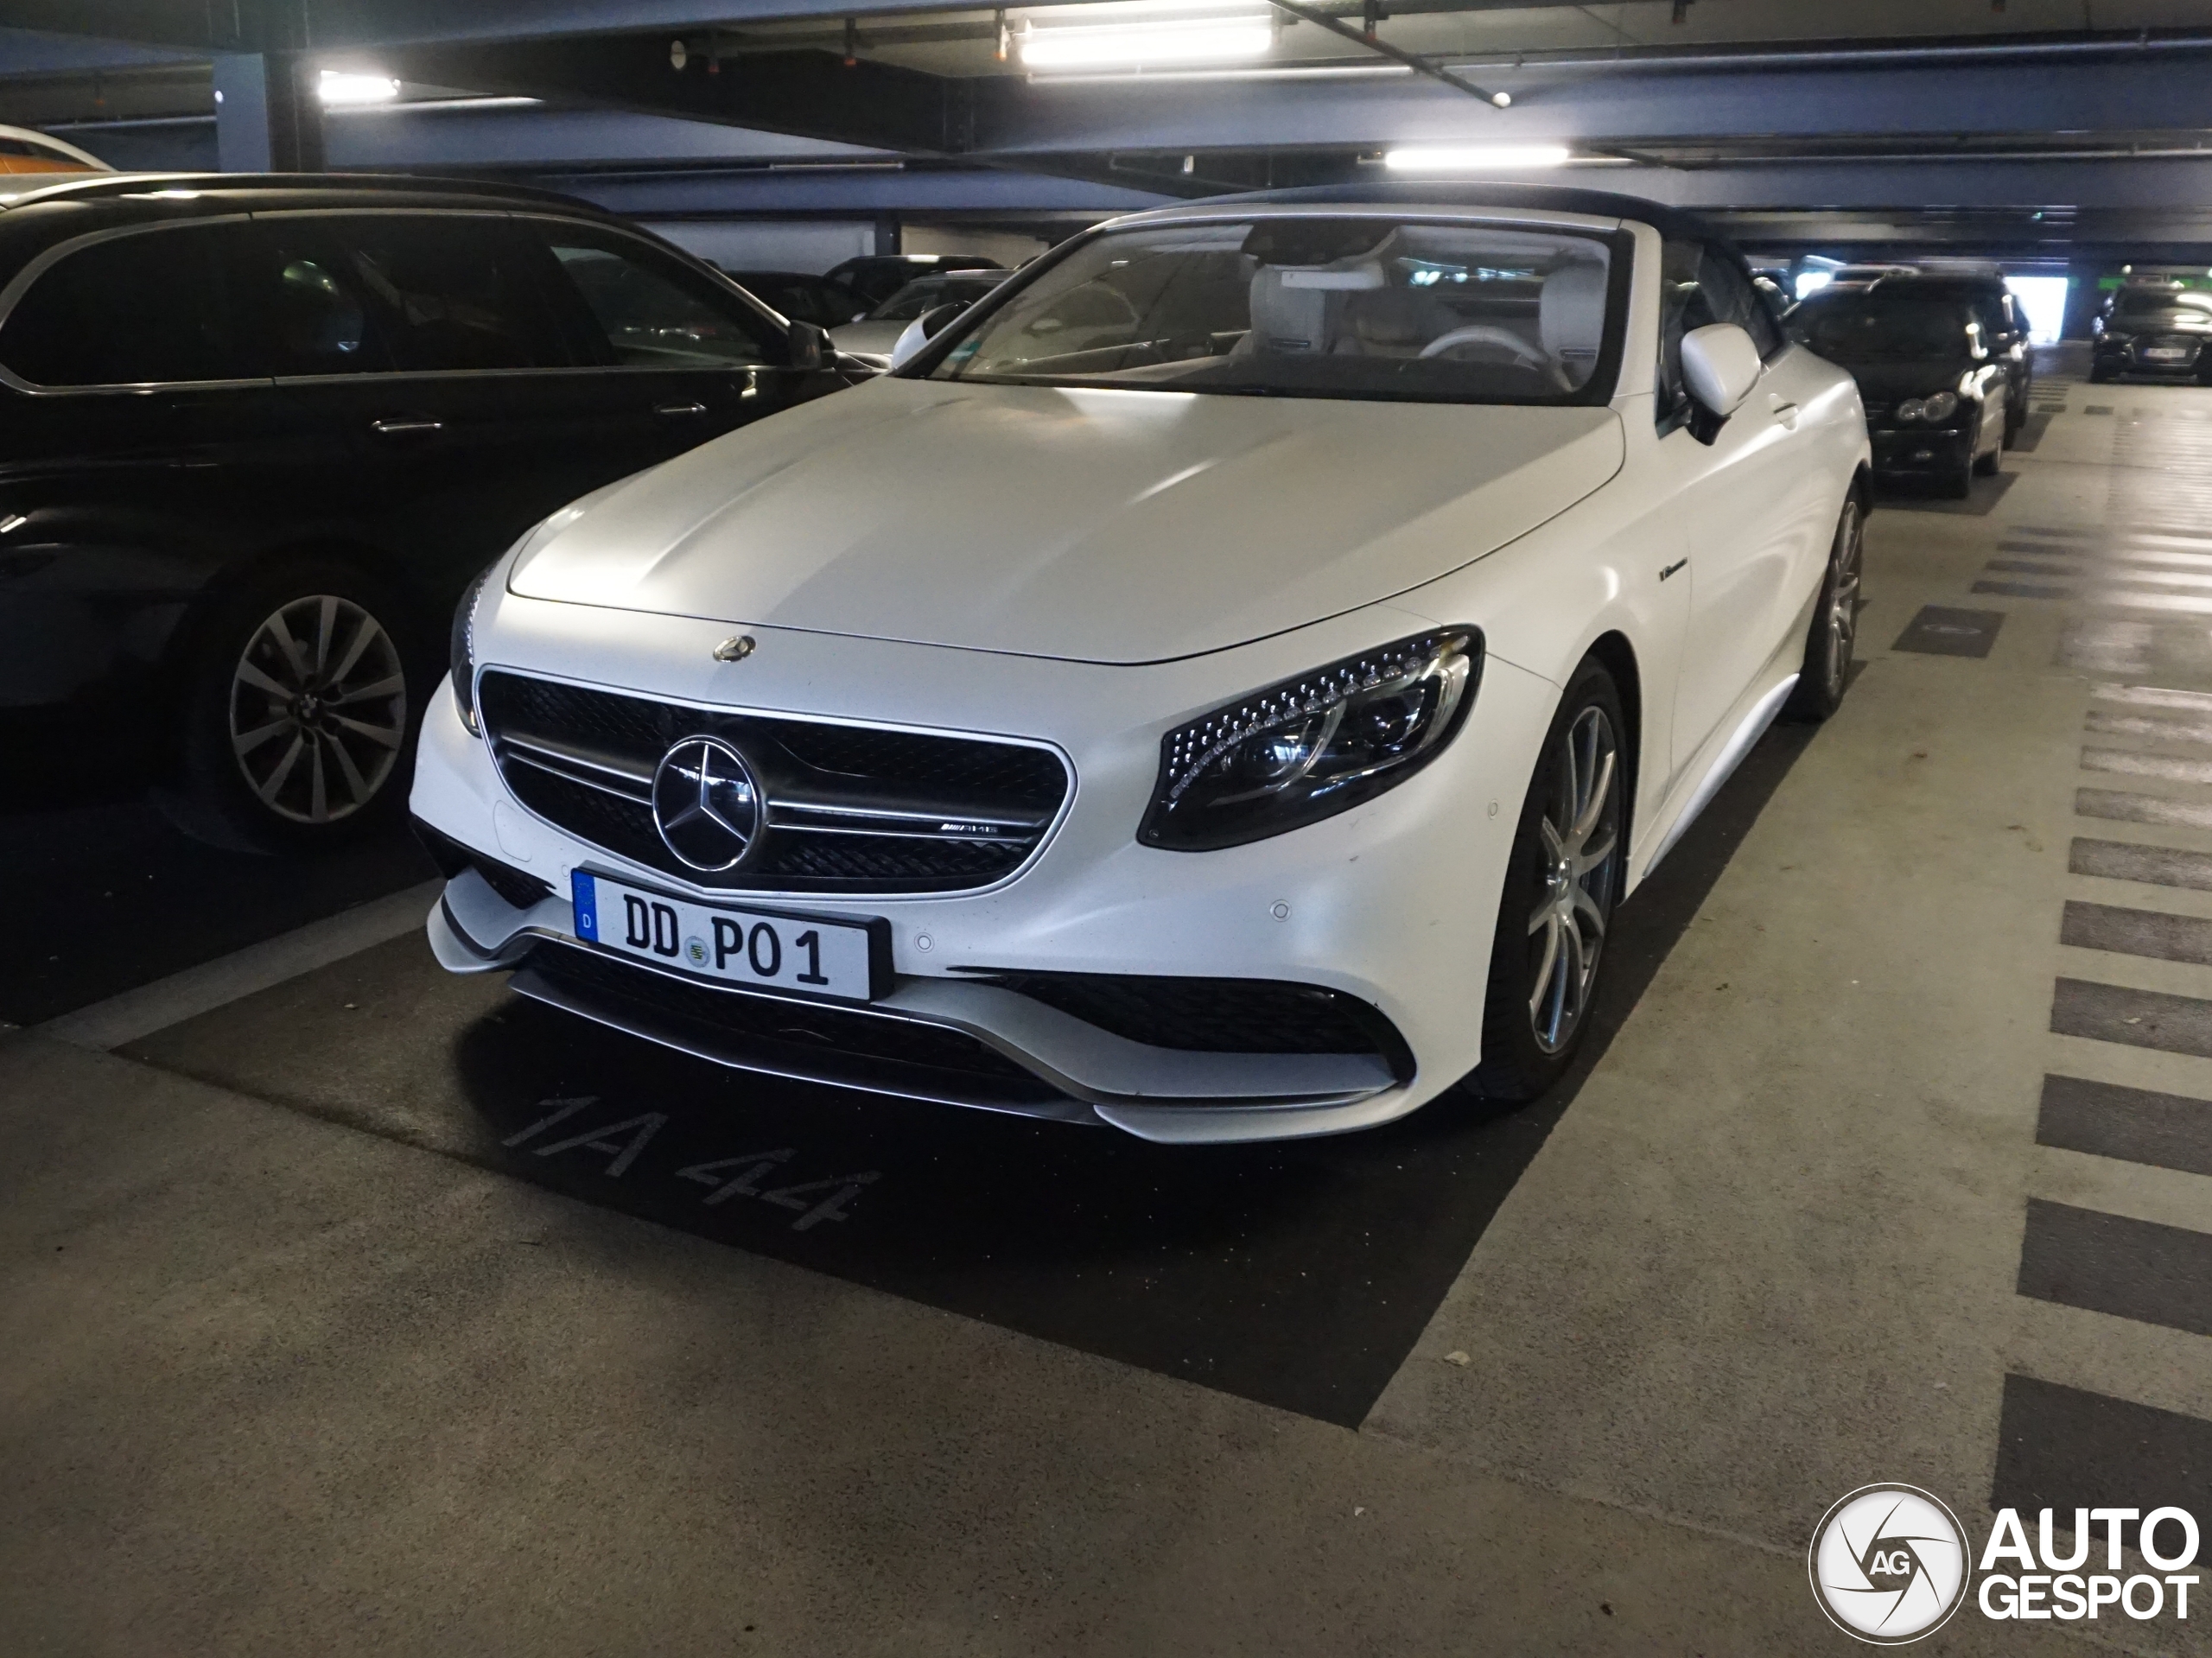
(257, 433)
(1937, 386)
(876, 276)
(802, 298)
(2165, 330)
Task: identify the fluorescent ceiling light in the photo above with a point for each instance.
(337, 87)
(1214, 40)
(1479, 158)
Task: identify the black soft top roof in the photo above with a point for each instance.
(222, 192)
(1540, 198)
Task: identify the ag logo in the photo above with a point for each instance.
(1888, 1564)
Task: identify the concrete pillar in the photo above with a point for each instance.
(2082, 298)
(268, 114)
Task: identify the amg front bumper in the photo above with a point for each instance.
(947, 1041)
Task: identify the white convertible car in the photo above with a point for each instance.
(1219, 686)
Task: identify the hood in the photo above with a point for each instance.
(1087, 525)
(1887, 379)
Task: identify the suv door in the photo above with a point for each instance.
(670, 355)
(137, 440)
(1757, 524)
(421, 370)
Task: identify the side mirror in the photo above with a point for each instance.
(810, 347)
(1720, 365)
(919, 333)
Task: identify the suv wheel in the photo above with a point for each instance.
(298, 713)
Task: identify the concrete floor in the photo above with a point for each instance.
(317, 1344)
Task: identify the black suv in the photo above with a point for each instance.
(1933, 368)
(257, 433)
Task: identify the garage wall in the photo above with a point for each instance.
(769, 244)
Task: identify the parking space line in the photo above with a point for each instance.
(155, 1007)
(2062, 1448)
(2113, 1263)
(2136, 932)
(2134, 1125)
(2140, 1019)
(2151, 696)
(2156, 865)
(2128, 762)
(2129, 807)
(2156, 728)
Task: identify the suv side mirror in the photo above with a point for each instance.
(810, 347)
(1720, 365)
(923, 329)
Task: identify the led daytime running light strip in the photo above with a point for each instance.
(1306, 696)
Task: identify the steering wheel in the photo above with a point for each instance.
(1486, 334)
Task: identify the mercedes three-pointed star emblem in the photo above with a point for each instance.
(706, 805)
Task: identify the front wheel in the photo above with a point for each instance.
(1562, 880)
(298, 711)
(1835, 631)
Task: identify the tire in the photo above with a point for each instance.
(1960, 485)
(1988, 466)
(2099, 374)
(1833, 635)
(268, 760)
(2015, 413)
(1548, 947)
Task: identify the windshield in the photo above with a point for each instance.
(1314, 307)
(929, 292)
(2147, 305)
(1856, 326)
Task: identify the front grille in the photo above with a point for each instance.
(802, 1036)
(1218, 1015)
(848, 808)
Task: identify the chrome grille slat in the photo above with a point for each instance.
(848, 808)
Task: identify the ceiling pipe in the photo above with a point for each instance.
(1836, 56)
(1370, 42)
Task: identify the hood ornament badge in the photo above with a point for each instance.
(734, 650)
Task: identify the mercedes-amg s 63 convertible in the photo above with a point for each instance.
(1220, 685)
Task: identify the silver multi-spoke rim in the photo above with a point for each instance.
(1843, 598)
(1581, 831)
(318, 709)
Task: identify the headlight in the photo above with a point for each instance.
(1312, 746)
(1930, 408)
(464, 651)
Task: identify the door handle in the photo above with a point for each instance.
(1785, 412)
(405, 426)
(679, 411)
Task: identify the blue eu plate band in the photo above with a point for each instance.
(587, 897)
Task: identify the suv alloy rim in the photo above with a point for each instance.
(318, 709)
(1581, 831)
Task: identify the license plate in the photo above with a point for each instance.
(761, 949)
(2167, 353)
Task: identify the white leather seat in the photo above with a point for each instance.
(1571, 320)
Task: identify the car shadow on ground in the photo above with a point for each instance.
(1297, 1274)
(1919, 495)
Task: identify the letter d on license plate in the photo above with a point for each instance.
(809, 955)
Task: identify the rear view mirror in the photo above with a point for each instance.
(923, 329)
(810, 347)
(1720, 365)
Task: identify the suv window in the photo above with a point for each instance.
(407, 293)
(634, 306)
(156, 306)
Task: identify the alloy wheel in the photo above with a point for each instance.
(318, 709)
(1580, 835)
(1843, 596)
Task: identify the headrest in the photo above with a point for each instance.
(1285, 318)
(1570, 313)
(1393, 316)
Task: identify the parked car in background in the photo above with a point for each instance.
(1233, 712)
(257, 433)
(25, 153)
(1937, 388)
(2161, 329)
(874, 334)
(876, 276)
(803, 298)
